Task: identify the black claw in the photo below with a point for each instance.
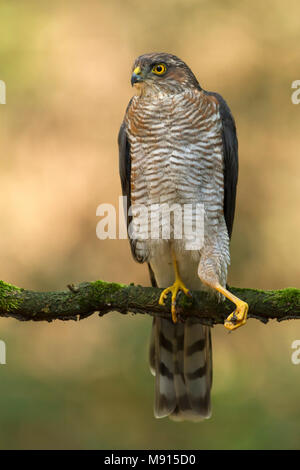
(234, 319)
(180, 318)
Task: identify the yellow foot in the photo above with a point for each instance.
(177, 286)
(238, 317)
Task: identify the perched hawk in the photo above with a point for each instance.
(178, 146)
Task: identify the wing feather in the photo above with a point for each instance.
(125, 175)
(230, 151)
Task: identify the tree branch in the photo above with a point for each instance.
(104, 297)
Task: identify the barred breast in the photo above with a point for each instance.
(176, 156)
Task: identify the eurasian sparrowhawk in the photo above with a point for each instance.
(178, 146)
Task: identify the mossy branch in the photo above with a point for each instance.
(87, 298)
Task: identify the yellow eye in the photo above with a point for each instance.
(159, 69)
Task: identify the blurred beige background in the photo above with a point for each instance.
(67, 70)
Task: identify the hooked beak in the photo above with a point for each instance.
(136, 77)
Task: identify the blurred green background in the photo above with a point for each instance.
(67, 69)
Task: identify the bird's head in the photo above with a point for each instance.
(161, 72)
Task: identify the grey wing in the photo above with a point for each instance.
(124, 162)
(230, 151)
(125, 171)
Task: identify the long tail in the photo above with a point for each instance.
(181, 360)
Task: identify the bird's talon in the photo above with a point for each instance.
(238, 317)
(174, 289)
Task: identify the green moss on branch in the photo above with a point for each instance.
(103, 297)
(8, 297)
